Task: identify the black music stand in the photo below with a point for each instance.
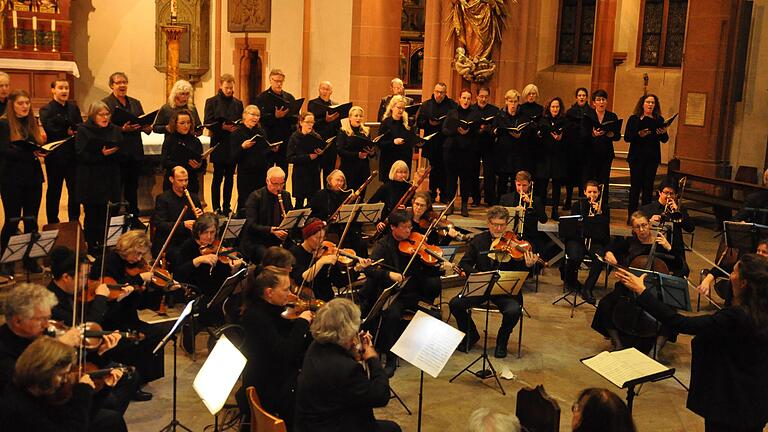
(363, 213)
(482, 282)
(743, 235)
(294, 219)
(36, 244)
(571, 228)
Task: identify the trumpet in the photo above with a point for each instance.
(672, 212)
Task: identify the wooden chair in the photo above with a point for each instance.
(537, 411)
(262, 421)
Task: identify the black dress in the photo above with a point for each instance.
(319, 108)
(551, 158)
(576, 141)
(391, 152)
(459, 152)
(306, 171)
(252, 163)
(58, 120)
(643, 158)
(355, 169)
(599, 152)
(508, 150)
(177, 150)
(484, 153)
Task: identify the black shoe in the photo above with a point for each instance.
(187, 339)
(500, 351)
(464, 346)
(464, 210)
(587, 296)
(142, 396)
(391, 366)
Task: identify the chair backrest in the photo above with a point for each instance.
(537, 411)
(262, 421)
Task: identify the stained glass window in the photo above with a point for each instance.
(576, 32)
(662, 36)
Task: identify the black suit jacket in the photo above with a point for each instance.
(57, 120)
(168, 207)
(261, 214)
(221, 107)
(335, 394)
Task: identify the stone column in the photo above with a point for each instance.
(603, 68)
(375, 51)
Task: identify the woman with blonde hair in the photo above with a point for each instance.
(181, 97)
(508, 150)
(393, 190)
(355, 147)
(397, 136)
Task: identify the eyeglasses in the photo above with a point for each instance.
(668, 193)
(641, 227)
(497, 225)
(104, 114)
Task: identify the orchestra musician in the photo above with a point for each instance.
(600, 144)
(326, 124)
(168, 207)
(21, 179)
(508, 149)
(534, 209)
(221, 113)
(423, 215)
(355, 148)
(180, 98)
(729, 349)
(459, 147)
(250, 153)
(334, 357)
(430, 120)
(397, 137)
(753, 203)
(98, 170)
(624, 252)
(274, 344)
(423, 282)
(327, 200)
(595, 214)
(477, 259)
(575, 143)
(316, 266)
(398, 89)
(708, 282)
(60, 118)
(392, 191)
(304, 152)
(666, 208)
(551, 159)
(276, 118)
(131, 147)
(486, 113)
(264, 210)
(644, 132)
(182, 148)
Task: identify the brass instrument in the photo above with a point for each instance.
(282, 205)
(599, 210)
(194, 209)
(675, 216)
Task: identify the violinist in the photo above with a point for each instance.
(21, 178)
(424, 215)
(264, 210)
(729, 350)
(316, 261)
(182, 148)
(304, 152)
(327, 200)
(40, 375)
(477, 259)
(595, 214)
(250, 153)
(635, 252)
(423, 285)
(355, 147)
(398, 136)
(708, 282)
(168, 206)
(392, 191)
(197, 263)
(274, 345)
(523, 196)
(666, 209)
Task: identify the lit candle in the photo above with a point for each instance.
(34, 23)
(53, 25)
(173, 8)
(15, 20)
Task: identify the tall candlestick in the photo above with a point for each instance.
(173, 8)
(15, 20)
(34, 23)
(53, 25)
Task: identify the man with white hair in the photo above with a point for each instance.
(485, 420)
(264, 210)
(397, 89)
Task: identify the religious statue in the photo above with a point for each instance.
(477, 25)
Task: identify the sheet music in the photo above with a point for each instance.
(219, 374)
(427, 343)
(234, 228)
(116, 224)
(620, 367)
(42, 247)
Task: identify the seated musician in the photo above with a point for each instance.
(197, 263)
(475, 260)
(725, 290)
(264, 210)
(274, 345)
(423, 215)
(755, 204)
(168, 206)
(125, 264)
(316, 267)
(327, 201)
(391, 192)
(36, 402)
(596, 229)
(634, 252)
(534, 209)
(335, 357)
(423, 283)
(27, 310)
(666, 209)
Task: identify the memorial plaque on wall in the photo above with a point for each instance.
(695, 109)
(249, 16)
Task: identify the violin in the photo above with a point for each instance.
(296, 307)
(93, 333)
(442, 227)
(509, 246)
(98, 375)
(225, 254)
(428, 254)
(161, 278)
(346, 256)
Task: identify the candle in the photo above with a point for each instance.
(15, 20)
(34, 23)
(173, 8)
(53, 25)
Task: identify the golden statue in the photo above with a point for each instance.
(478, 25)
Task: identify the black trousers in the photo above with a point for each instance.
(437, 173)
(642, 174)
(511, 308)
(150, 367)
(129, 175)
(418, 288)
(57, 175)
(222, 172)
(246, 183)
(458, 168)
(540, 190)
(93, 223)
(19, 201)
(489, 177)
(576, 250)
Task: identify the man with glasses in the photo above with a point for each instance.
(666, 209)
(276, 119)
(264, 210)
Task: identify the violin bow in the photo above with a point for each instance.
(170, 236)
(221, 242)
(426, 234)
(355, 209)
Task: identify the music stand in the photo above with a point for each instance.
(294, 219)
(227, 287)
(516, 216)
(743, 235)
(364, 213)
(571, 228)
(174, 423)
(668, 289)
(219, 374)
(234, 228)
(115, 228)
(482, 282)
(29, 245)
